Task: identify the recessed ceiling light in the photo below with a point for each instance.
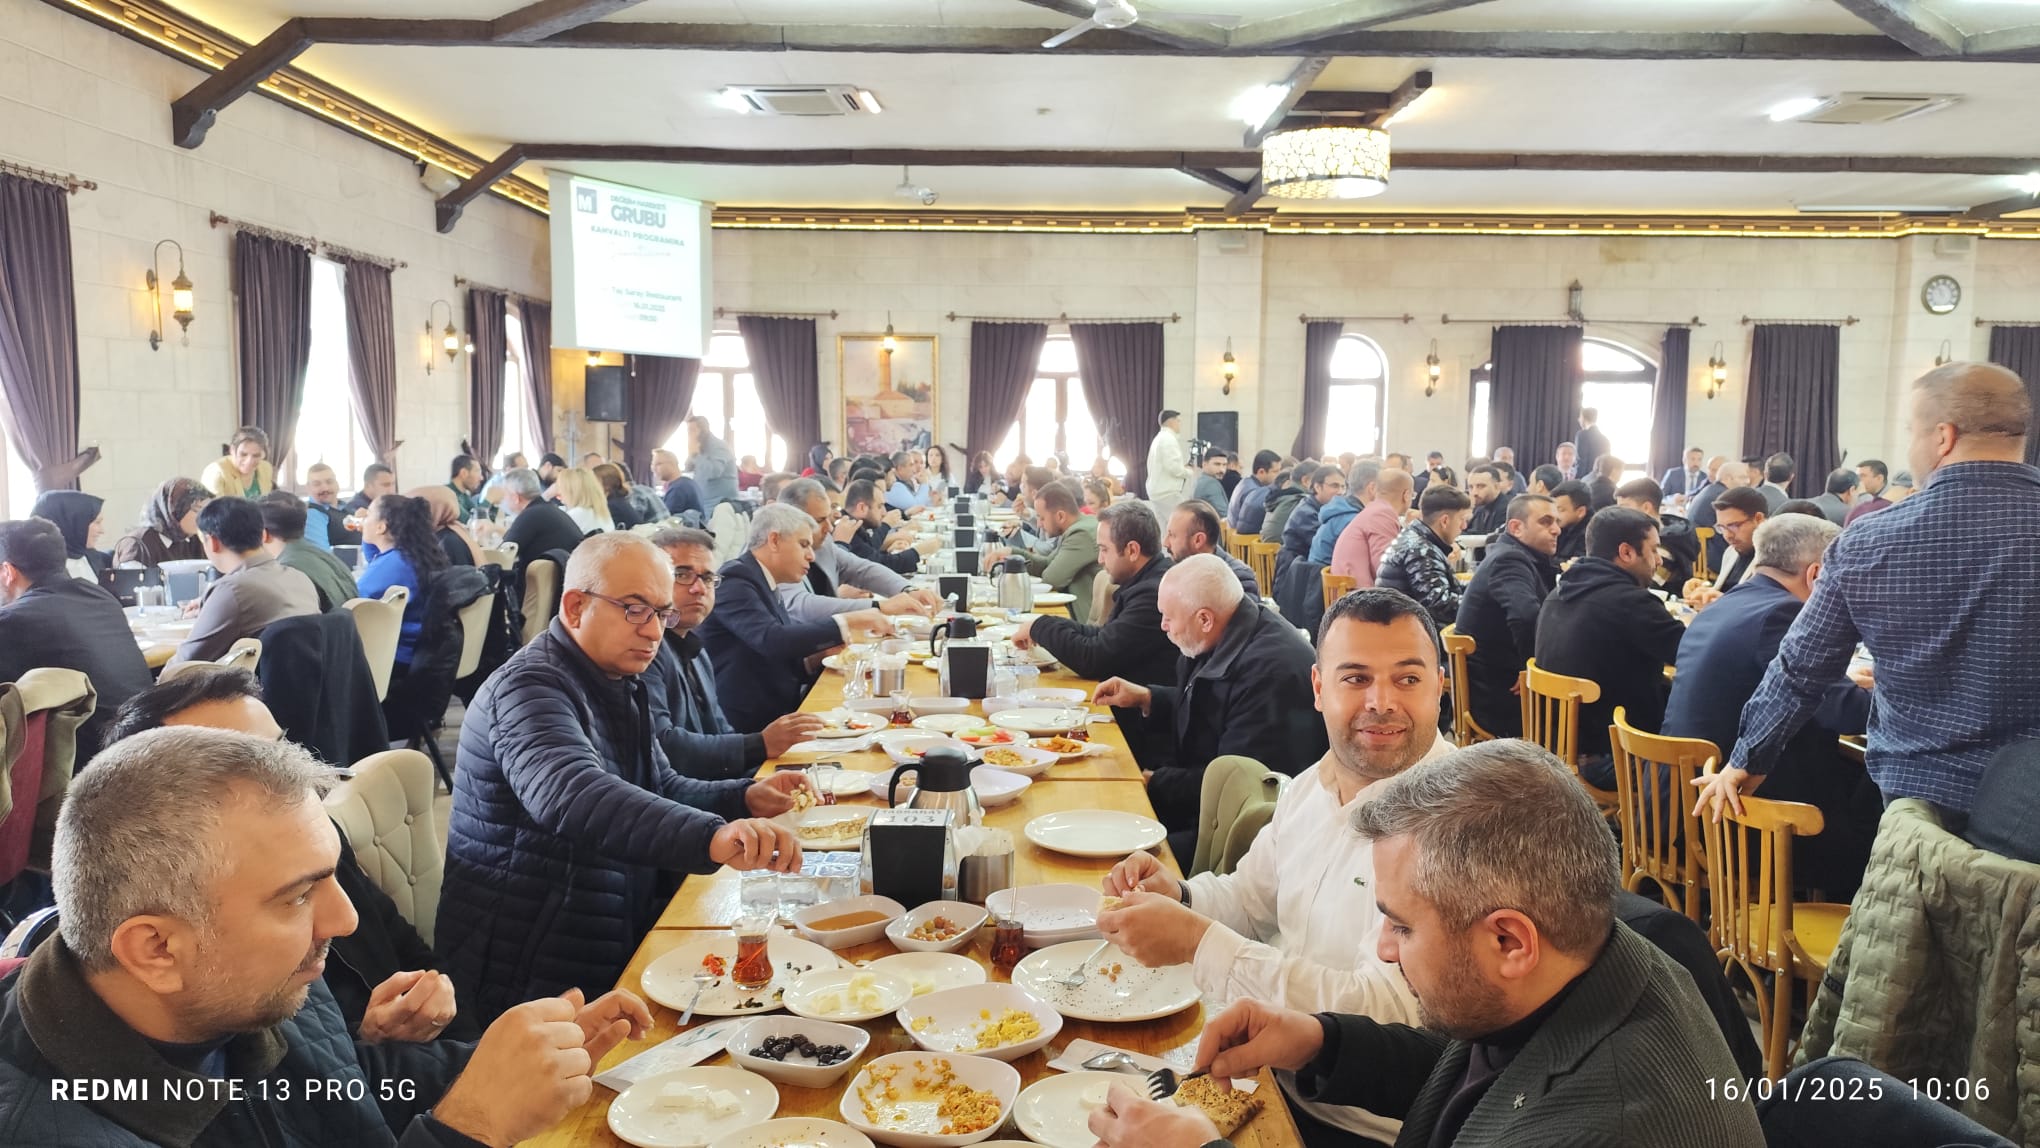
(2028, 183)
(1253, 106)
(733, 100)
(869, 101)
(1793, 108)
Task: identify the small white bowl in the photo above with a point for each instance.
(1034, 762)
(1050, 698)
(995, 786)
(939, 705)
(970, 918)
(982, 1073)
(804, 996)
(796, 1069)
(855, 935)
(1052, 914)
(949, 1021)
(898, 745)
(999, 704)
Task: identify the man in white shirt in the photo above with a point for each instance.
(1169, 472)
(1295, 924)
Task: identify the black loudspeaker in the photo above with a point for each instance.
(605, 394)
(1219, 428)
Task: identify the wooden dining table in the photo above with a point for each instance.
(1104, 779)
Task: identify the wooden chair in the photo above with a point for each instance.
(1337, 586)
(1700, 567)
(1261, 556)
(1458, 648)
(1551, 718)
(1654, 792)
(1757, 926)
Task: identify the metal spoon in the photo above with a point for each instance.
(1114, 1061)
(1075, 977)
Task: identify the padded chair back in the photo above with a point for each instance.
(386, 811)
(541, 596)
(381, 626)
(1238, 800)
(19, 773)
(1261, 556)
(1337, 586)
(1458, 648)
(1551, 718)
(243, 654)
(1654, 795)
(504, 555)
(730, 531)
(474, 627)
(54, 703)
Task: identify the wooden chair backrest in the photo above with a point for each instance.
(1261, 556)
(1337, 586)
(1551, 710)
(1749, 877)
(1701, 568)
(1458, 648)
(1654, 795)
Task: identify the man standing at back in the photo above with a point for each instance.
(1591, 443)
(1958, 674)
(1168, 465)
(1357, 553)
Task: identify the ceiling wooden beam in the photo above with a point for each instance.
(1217, 179)
(1300, 79)
(544, 18)
(1999, 208)
(1995, 45)
(1348, 16)
(448, 207)
(1160, 29)
(1406, 93)
(1244, 202)
(193, 113)
(1329, 103)
(1909, 23)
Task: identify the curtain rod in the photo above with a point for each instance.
(308, 242)
(1554, 321)
(735, 313)
(1309, 319)
(70, 183)
(460, 281)
(1064, 318)
(2008, 322)
(1849, 321)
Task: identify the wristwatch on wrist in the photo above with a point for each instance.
(1183, 893)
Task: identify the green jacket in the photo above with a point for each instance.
(334, 580)
(1936, 972)
(1073, 565)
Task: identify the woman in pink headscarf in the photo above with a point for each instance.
(453, 537)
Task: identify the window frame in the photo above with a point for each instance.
(1380, 384)
(1060, 381)
(320, 370)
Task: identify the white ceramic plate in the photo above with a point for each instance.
(670, 979)
(825, 995)
(637, 1117)
(970, 918)
(1031, 762)
(797, 1070)
(849, 723)
(1052, 914)
(1054, 598)
(828, 827)
(1046, 697)
(1037, 722)
(948, 722)
(932, 972)
(1083, 747)
(905, 747)
(848, 782)
(954, 1020)
(995, 786)
(910, 1121)
(1056, 1110)
(796, 1132)
(1135, 993)
(1095, 832)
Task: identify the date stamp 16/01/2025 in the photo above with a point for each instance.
(1843, 1090)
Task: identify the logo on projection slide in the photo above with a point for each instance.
(633, 211)
(585, 200)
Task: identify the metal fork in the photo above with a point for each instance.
(1075, 977)
(1163, 1083)
(702, 980)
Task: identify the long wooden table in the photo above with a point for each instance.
(706, 904)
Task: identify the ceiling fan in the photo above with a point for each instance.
(1117, 14)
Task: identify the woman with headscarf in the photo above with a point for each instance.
(171, 533)
(77, 516)
(453, 537)
(818, 457)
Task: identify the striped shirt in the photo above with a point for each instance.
(1944, 590)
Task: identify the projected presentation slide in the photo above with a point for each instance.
(630, 269)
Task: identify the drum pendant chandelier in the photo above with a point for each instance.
(1325, 163)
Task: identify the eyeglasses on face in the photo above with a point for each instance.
(637, 613)
(686, 577)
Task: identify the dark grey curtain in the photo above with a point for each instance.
(2018, 350)
(273, 319)
(1795, 373)
(39, 331)
(1121, 365)
(1536, 390)
(788, 368)
(1668, 404)
(372, 355)
(1320, 339)
(538, 388)
(490, 335)
(1003, 360)
(657, 395)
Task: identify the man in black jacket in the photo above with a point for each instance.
(1547, 1022)
(1239, 690)
(1499, 611)
(1602, 625)
(1575, 505)
(861, 505)
(1678, 546)
(51, 619)
(1130, 644)
(1592, 441)
(1490, 494)
(537, 525)
(1325, 484)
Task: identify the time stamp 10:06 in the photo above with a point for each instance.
(1839, 1089)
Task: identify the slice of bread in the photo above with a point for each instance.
(1229, 1110)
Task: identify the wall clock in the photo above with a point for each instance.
(1941, 295)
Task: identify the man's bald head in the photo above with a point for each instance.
(1733, 474)
(1396, 487)
(1968, 412)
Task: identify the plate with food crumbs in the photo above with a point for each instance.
(1228, 1108)
(1023, 760)
(691, 1107)
(827, 827)
(670, 979)
(848, 723)
(937, 927)
(1004, 1022)
(927, 1100)
(1064, 748)
(847, 996)
(796, 1132)
(1056, 1110)
(1116, 987)
(931, 972)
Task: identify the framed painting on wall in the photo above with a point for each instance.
(889, 400)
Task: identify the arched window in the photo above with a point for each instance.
(1619, 384)
(726, 394)
(1483, 393)
(1355, 406)
(1057, 417)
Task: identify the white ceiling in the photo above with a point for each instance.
(485, 98)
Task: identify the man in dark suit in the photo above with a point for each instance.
(537, 526)
(50, 619)
(1721, 661)
(1738, 512)
(1685, 480)
(764, 659)
(1499, 611)
(1591, 442)
(1547, 1022)
(1130, 642)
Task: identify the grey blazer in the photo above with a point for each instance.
(1625, 1062)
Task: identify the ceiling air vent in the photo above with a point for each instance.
(800, 100)
(1875, 107)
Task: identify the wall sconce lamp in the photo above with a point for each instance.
(1228, 367)
(1432, 370)
(1946, 354)
(889, 344)
(1576, 302)
(594, 358)
(1717, 372)
(180, 295)
(449, 338)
